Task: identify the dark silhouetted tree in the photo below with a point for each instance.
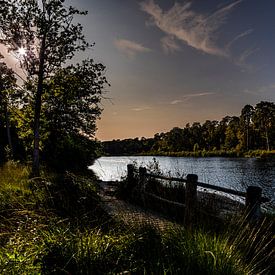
(245, 121)
(7, 88)
(264, 120)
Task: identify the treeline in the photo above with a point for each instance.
(254, 129)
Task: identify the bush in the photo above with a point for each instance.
(70, 152)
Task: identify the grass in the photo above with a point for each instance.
(214, 153)
(260, 153)
(55, 225)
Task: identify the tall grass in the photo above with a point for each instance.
(14, 192)
(55, 226)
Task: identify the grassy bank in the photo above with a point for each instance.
(216, 153)
(55, 225)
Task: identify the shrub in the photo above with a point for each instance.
(69, 152)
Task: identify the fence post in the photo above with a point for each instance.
(253, 202)
(142, 174)
(190, 199)
(131, 182)
(130, 172)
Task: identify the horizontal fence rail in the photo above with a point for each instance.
(253, 195)
(205, 185)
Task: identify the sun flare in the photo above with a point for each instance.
(22, 51)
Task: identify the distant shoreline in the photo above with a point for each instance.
(202, 154)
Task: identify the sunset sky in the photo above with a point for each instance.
(170, 63)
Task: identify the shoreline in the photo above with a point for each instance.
(261, 154)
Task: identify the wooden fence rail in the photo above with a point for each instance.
(253, 195)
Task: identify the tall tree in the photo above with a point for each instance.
(221, 131)
(7, 86)
(245, 121)
(264, 120)
(196, 135)
(231, 134)
(43, 35)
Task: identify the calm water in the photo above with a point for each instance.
(235, 173)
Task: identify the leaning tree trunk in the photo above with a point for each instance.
(37, 110)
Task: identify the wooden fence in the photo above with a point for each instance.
(253, 195)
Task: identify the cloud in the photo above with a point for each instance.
(130, 48)
(169, 44)
(195, 29)
(143, 108)
(189, 96)
(241, 60)
(262, 90)
(241, 35)
(246, 54)
(176, 101)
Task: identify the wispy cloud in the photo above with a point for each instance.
(184, 24)
(142, 108)
(246, 54)
(261, 91)
(176, 101)
(130, 48)
(190, 96)
(239, 36)
(242, 59)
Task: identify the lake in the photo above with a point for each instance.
(235, 173)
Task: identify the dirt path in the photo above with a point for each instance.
(128, 213)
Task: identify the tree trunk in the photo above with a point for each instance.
(247, 138)
(7, 118)
(37, 110)
(267, 139)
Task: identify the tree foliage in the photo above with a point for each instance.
(58, 103)
(41, 28)
(72, 103)
(46, 32)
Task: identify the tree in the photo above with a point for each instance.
(175, 140)
(73, 97)
(209, 134)
(245, 120)
(221, 131)
(196, 135)
(43, 35)
(264, 120)
(7, 86)
(231, 134)
(70, 109)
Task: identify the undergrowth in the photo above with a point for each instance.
(55, 225)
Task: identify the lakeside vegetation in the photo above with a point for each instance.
(57, 226)
(249, 135)
(216, 153)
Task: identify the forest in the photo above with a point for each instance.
(253, 130)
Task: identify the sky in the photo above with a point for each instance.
(170, 63)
